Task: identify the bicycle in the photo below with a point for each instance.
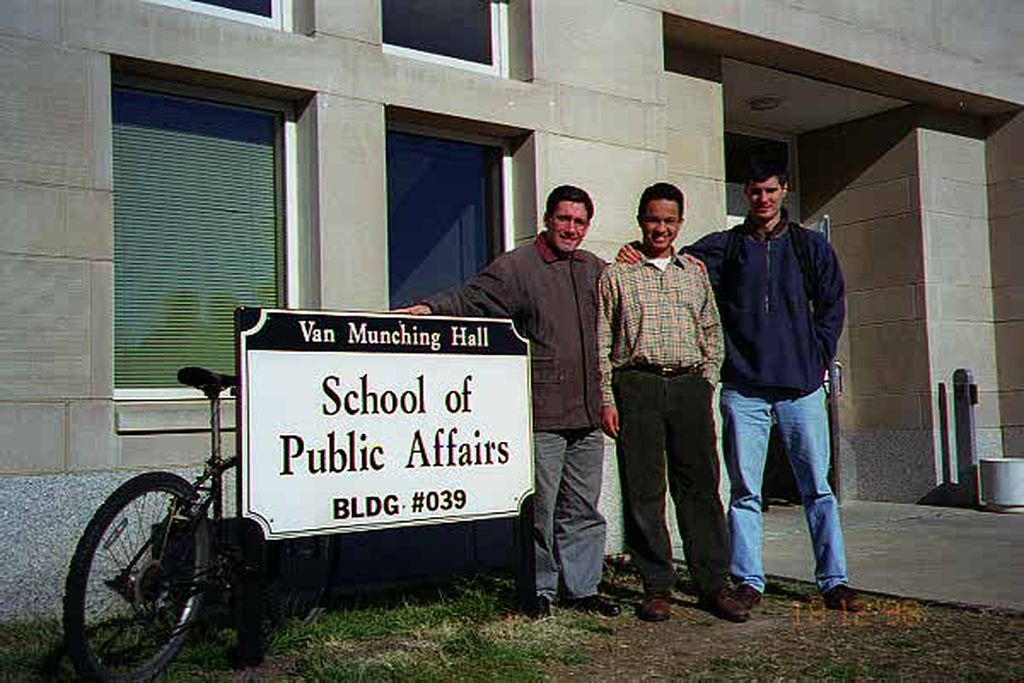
(152, 556)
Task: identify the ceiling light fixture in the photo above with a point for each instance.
(764, 103)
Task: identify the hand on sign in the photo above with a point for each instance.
(415, 309)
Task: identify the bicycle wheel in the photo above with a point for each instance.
(135, 583)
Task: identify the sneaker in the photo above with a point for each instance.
(747, 595)
(844, 598)
(595, 604)
(724, 606)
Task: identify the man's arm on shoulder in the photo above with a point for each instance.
(693, 260)
(710, 252)
(629, 253)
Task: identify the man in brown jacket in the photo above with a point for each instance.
(549, 290)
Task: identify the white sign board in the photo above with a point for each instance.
(349, 422)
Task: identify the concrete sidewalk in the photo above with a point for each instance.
(914, 551)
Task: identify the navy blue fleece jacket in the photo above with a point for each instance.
(777, 338)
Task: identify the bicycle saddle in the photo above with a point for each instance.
(207, 381)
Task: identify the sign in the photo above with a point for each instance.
(349, 422)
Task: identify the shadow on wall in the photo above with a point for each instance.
(861, 143)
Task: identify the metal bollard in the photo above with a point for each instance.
(965, 398)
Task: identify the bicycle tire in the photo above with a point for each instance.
(135, 583)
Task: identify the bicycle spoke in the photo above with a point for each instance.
(136, 580)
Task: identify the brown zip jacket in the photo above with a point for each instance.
(552, 299)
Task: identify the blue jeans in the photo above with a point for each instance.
(568, 529)
(803, 425)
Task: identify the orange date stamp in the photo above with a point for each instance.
(888, 612)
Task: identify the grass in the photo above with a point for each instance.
(29, 649)
(470, 631)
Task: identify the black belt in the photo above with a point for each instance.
(666, 370)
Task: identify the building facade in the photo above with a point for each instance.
(162, 161)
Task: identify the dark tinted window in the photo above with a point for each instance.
(455, 28)
(443, 203)
(260, 7)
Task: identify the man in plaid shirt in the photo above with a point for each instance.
(660, 349)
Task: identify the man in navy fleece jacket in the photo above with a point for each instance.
(780, 293)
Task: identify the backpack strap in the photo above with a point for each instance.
(733, 244)
(799, 239)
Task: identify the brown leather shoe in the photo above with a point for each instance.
(656, 607)
(723, 605)
(747, 595)
(844, 598)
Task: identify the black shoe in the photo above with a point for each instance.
(595, 604)
(540, 608)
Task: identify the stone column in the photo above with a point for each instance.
(56, 263)
(906, 193)
(1005, 165)
(958, 275)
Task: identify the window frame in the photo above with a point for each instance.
(280, 18)
(499, 65)
(286, 163)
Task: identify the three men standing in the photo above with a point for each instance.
(660, 352)
(779, 290)
(549, 290)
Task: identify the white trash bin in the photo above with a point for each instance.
(1001, 484)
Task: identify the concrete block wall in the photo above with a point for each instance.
(1005, 167)
(908, 197)
(873, 199)
(958, 277)
(696, 152)
(352, 254)
(56, 251)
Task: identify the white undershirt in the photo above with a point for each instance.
(660, 263)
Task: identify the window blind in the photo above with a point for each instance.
(196, 232)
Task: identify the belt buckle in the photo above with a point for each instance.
(666, 370)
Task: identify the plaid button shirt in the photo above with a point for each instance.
(657, 317)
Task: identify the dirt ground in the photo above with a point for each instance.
(791, 636)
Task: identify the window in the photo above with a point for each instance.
(467, 33)
(197, 231)
(444, 212)
(263, 12)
